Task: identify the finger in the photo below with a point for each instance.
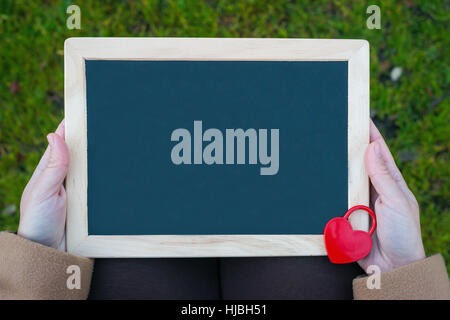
(380, 176)
(52, 176)
(395, 172)
(370, 259)
(45, 157)
(373, 196)
(374, 132)
(61, 129)
(36, 174)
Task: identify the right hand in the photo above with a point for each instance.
(397, 240)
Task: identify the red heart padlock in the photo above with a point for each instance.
(345, 245)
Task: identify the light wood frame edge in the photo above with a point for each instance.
(76, 50)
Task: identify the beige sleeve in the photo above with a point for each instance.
(423, 280)
(29, 270)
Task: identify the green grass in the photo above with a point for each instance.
(413, 113)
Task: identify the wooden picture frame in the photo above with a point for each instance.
(77, 50)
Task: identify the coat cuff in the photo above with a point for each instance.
(426, 279)
(29, 270)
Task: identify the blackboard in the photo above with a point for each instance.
(143, 117)
(135, 189)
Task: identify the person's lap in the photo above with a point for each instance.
(286, 278)
(227, 278)
(167, 278)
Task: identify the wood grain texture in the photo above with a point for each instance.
(77, 50)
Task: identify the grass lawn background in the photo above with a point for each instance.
(412, 113)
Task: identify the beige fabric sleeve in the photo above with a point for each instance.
(29, 270)
(422, 280)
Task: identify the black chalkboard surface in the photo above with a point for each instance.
(200, 147)
(134, 187)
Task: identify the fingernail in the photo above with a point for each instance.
(50, 139)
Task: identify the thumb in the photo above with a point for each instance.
(52, 176)
(382, 180)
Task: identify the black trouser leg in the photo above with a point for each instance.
(168, 278)
(286, 278)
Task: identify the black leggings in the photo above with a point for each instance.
(224, 278)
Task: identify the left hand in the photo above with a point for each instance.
(43, 203)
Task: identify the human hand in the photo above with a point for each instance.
(43, 203)
(397, 240)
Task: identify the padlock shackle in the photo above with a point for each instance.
(367, 209)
